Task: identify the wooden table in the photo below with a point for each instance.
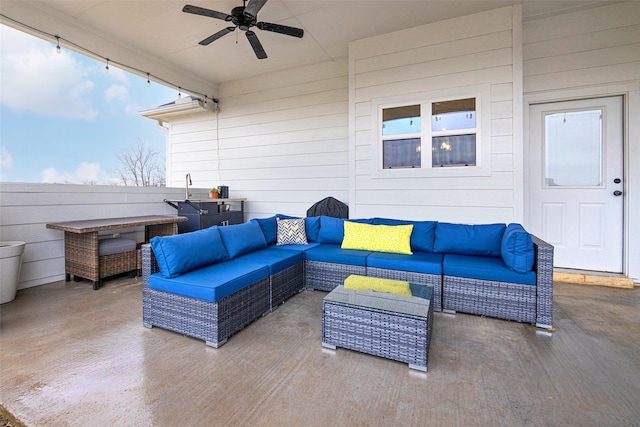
(81, 246)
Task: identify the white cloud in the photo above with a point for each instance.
(116, 93)
(85, 173)
(6, 161)
(38, 80)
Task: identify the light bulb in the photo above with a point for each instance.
(106, 68)
(148, 81)
(57, 44)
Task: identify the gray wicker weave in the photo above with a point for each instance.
(286, 284)
(524, 303)
(378, 323)
(326, 276)
(212, 322)
(434, 280)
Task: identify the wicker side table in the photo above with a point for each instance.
(379, 323)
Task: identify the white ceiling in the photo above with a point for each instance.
(157, 37)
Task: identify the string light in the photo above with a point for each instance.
(90, 53)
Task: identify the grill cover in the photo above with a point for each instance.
(329, 207)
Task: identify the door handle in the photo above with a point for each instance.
(617, 193)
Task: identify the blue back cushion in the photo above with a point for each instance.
(242, 238)
(312, 228)
(464, 239)
(181, 253)
(422, 236)
(517, 249)
(269, 228)
(331, 230)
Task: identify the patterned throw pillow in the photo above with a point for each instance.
(291, 232)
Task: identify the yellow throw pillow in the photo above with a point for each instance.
(361, 283)
(378, 238)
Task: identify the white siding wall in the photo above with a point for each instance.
(595, 47)
(279, 140)
(469, 51)
(26, 209)
(591, 53)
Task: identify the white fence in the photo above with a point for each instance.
(26, 209)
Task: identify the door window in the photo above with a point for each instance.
(573, 149)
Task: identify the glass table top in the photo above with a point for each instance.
(415, 305)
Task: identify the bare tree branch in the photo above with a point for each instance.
(139, 167)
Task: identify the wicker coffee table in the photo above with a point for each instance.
(380, 323)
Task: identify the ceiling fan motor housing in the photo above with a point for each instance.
(242, 21)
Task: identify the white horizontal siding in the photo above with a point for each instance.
(26, 209)
(475, 50)
(594, 47)
(279, 140)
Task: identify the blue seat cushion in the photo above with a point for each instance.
(213, 282)
(484, 268)
(466, 239)
(242, 238)
(419, 262)
(423, 234)
(336, 255)
(181, 253)
(276, 260)
(517, 248)
(297, 248)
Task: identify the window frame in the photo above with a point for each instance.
(425, 100)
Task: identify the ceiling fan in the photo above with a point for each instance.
(244, 17)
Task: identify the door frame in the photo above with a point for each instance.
(630, 94)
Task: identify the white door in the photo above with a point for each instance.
(575, 182)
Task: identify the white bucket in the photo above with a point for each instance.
(10, 265)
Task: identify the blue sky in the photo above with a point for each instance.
(63, 119)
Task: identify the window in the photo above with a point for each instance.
(453, 134)
(401, 143)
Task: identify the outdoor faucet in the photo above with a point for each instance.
(186, 191)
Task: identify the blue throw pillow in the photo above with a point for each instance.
(464, 239)
(517, 249)
(242, 238)
(312, 226)
(269, 228)
(181, 253)
(331, 230)
(423, 235)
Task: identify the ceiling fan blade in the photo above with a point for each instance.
(217, 35)
(254, 7)
(206, 12)
(282, 29)
(256, 45)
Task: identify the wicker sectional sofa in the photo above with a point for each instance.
(211, 283)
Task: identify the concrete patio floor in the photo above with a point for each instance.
(71, 356)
